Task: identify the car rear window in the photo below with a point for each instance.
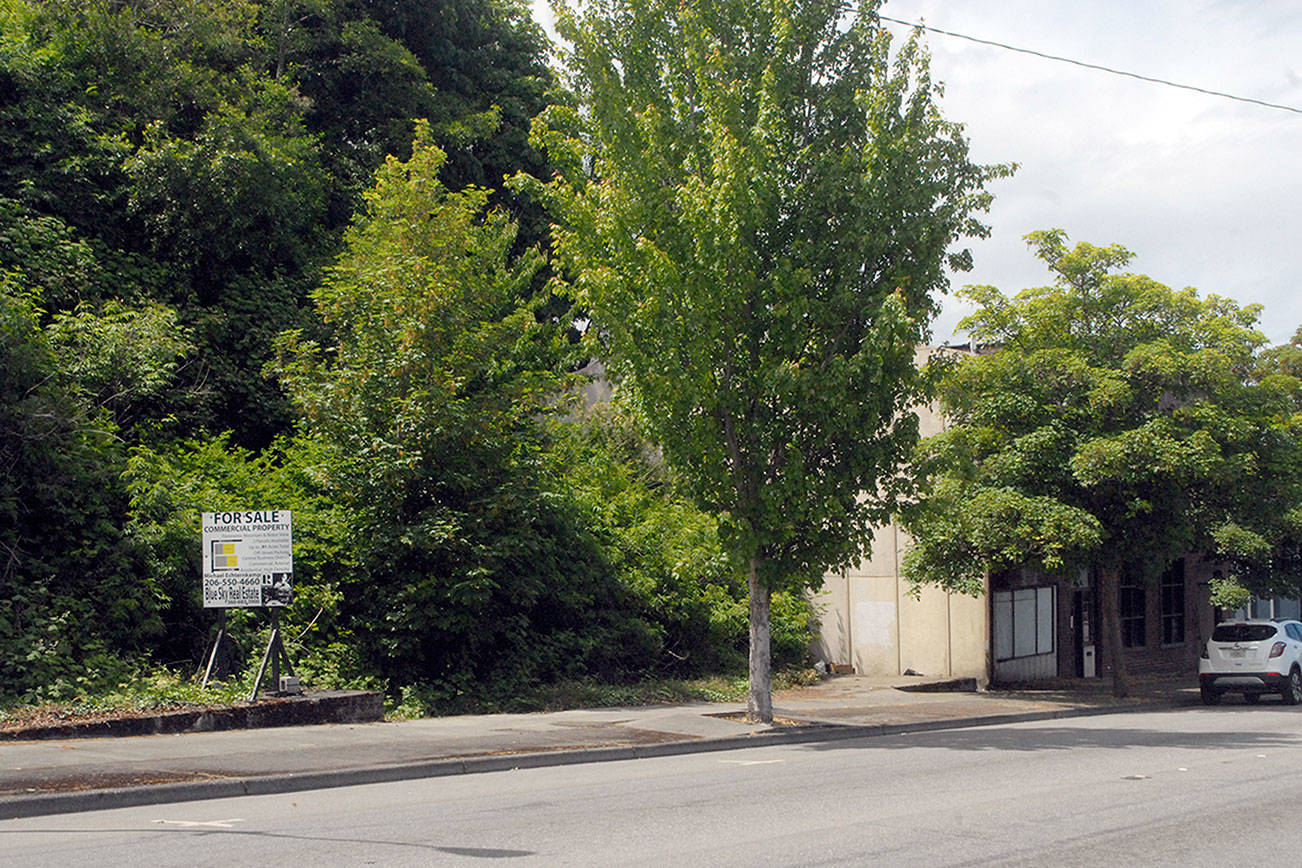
(1243, 632)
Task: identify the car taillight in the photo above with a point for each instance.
(1277, 649)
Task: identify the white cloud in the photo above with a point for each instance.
(1203, 189)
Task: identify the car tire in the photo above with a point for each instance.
(1211, 696)
(1291, 692)
(1252, 698)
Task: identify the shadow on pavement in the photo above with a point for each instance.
(1039, 737)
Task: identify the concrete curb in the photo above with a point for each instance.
(327, 706)
(43, 804)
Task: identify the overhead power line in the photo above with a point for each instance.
(1081, 63)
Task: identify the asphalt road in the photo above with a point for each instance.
(1188, 787)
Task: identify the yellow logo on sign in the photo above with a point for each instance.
(223, 556)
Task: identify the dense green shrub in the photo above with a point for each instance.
(663, 548)
(69, 591)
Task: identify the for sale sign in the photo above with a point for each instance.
(248, 558)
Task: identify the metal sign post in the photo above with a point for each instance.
(275, 653)
(217, 643)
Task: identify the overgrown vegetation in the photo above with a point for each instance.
(262, 254)
(209, 299)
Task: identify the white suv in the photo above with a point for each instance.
(1252, 658)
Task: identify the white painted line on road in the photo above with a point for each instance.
(211, 824)
(751, 762)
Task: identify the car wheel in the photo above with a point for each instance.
(1211, 696)
(1252, 698)
(1292, 690)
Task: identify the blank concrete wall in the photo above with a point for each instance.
(869, 619)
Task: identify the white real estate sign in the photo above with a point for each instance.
(248, 558)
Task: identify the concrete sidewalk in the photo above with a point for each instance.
(60, 776)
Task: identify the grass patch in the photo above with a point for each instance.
(163, 690)
(560, 696)
(662, 691)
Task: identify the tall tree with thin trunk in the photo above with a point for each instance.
(756, 200)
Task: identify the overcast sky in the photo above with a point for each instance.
(1205, 190)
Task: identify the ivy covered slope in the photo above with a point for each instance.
(176, 181)
(1113, 422)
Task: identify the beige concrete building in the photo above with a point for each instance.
(869, 620)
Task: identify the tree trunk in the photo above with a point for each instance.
(1110, 612)
(760, 705)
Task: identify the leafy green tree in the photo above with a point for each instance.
(120, 358)
(243, 196)
(482, 58)
(1111, 422)
(147, 130)
(235, 211)
(118, 351)
(1284, 359)
(475, 69)
(758, 200)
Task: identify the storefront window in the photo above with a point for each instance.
(1023, 622)
(1131, 603)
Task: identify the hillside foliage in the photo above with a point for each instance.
(229, 279)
